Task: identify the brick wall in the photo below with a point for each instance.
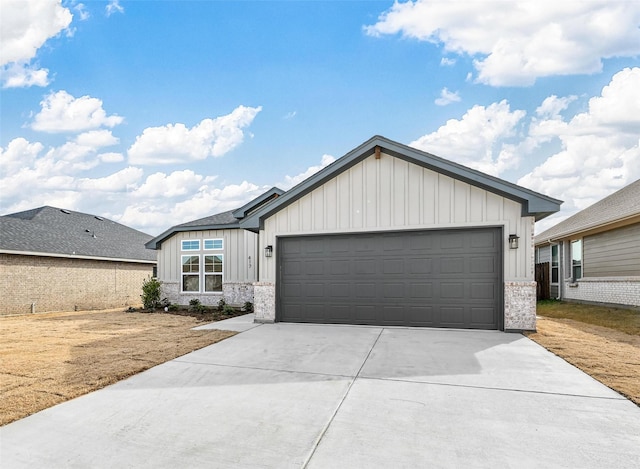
(616, 290)
(60, 284)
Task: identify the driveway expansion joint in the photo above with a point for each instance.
(344, 397)
(492, 388)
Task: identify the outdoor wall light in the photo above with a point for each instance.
(513, 241)
(268, 251)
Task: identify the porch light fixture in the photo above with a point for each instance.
(268, 251)
(513, 241)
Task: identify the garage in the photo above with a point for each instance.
(391, 235)
(429, 278)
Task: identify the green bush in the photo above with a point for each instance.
(221, 304)
(173, 307)
(248, 307)
(151, 290)
(228, 310)
(196, 306)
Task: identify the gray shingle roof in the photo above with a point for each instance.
(220, 221)
(64, 232)
(619, 206)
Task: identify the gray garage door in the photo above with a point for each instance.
(436, 278)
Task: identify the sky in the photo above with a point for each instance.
(155, 113)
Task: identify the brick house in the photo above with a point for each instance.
(54, 259)
(594, 255)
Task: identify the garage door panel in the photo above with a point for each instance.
(314, 290)
(482, 265)
(421, 266)
(452, 265)
(446, 278)
(421, 291)
(452, 316)
(452, 290)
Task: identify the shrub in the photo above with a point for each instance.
(248, 307)
(151, 289)
(228, 310)
(196, 306)
(173, 307)
(221, 304)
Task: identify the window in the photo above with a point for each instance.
(211, 244)
(576, 259)
(191, 245)
(190, 273)
(213, 273)
(554, 263)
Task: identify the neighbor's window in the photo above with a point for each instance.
(191, 245)
(213, 273)
(576, 259)
(210, 244)
(191, 273)
(554, 263)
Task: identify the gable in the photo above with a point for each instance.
(531, 203)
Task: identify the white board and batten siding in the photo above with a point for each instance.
(393, 194)
(239, 261)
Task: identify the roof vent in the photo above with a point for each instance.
(98, 218)
(65, 211)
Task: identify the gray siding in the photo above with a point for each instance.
(613, 253)
(239, 246)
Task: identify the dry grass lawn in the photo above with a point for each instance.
(49, 358)
(576, 334)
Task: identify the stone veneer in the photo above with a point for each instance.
(519, 306)
(264, 304)
(233, 294)
(612, 290)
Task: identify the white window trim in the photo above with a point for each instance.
(189, 241)
(205, 248)
(182, 274)
(551, 282)
(204, 274)
(571, 246)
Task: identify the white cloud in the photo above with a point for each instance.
(113, 7)
(97, 139)
(82, 11)
(61, 112)
(22, 75)
(175, 143)
(178, 183)
(447, 97)
(123, 180)
(479, 139)
(515, 43)
(447, 62)
(290, 115)
(111, 157)
(552, 106)
(600, 147)
(290, 181)
(25, 25)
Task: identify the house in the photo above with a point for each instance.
(54, 259)
(385, 235)
(210, 258)
(594, 255)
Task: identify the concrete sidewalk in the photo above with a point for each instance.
(322, 396)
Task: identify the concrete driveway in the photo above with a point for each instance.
(294, 396)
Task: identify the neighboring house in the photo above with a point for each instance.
(210, 258)
(54, 259)
(385, 235)
(594, 255)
